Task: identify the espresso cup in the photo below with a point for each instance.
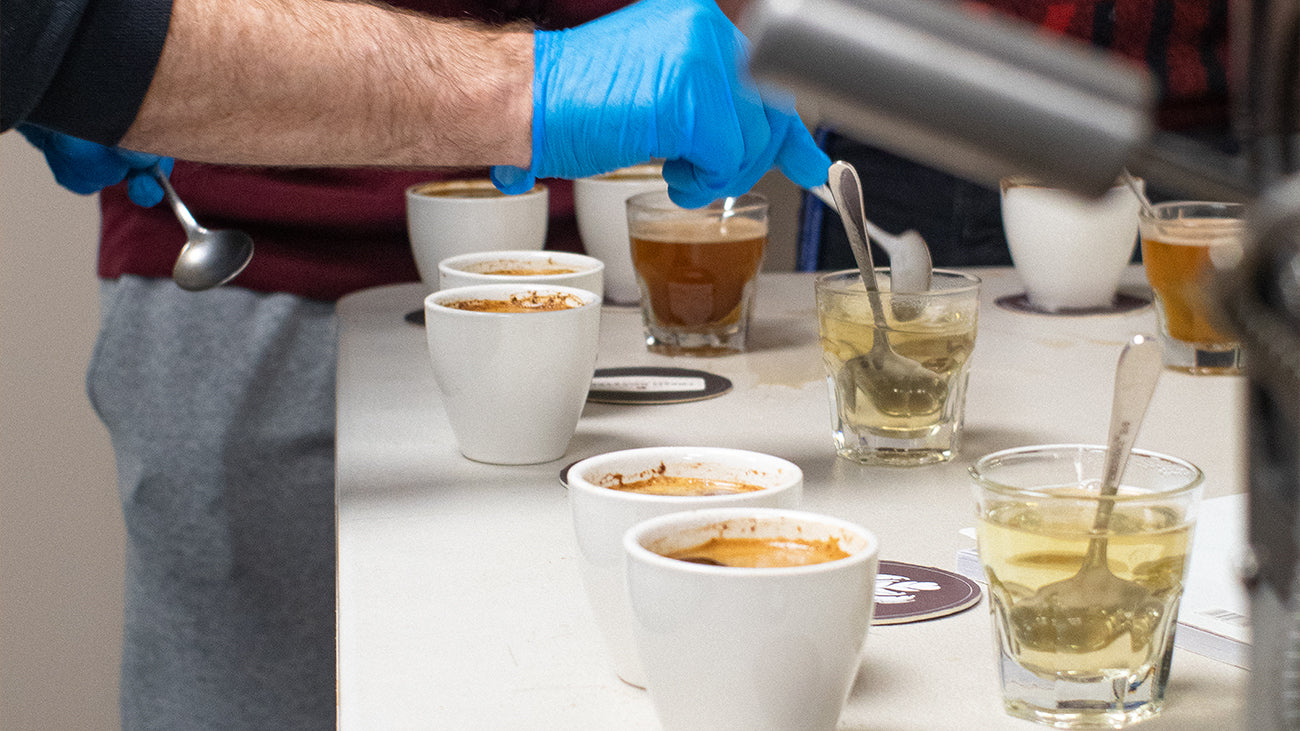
(513, 374)
(534, 267)
(602, 513)
(770, 639)
(450, 217)
(1069, 251)
(600, 205)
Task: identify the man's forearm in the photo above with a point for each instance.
(335, 82)
(315, 82)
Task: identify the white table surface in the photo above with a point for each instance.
(459, 599)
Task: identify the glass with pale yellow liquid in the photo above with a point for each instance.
(909, 411)
(1183, 245)
(1070, 654)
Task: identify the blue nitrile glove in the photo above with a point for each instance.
(88, 167)
(660, 79)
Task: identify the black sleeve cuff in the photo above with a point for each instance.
(107, 70)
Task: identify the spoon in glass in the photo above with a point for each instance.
(210, 258)
(898, 386)
(1143, 202)
(1089, 610)
(909, 256)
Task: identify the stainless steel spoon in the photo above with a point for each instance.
(1143, 201)
(898, 386)
(210, 258)
(1089, 610)
(909, 256)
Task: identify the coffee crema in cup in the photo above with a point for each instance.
(636, 172)
(459, 189)
(513, 268)
(659, 482)
(531, 302)
(760, 552)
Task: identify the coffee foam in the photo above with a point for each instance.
(761, 552)
(520, 267)
(530, 302)
(464, 188)
(657, 481)
(694, 231)
(1198, 231)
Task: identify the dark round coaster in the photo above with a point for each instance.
(651, 385)
(564, 473)
(909, 593)
(415, 317)
(1123, 303)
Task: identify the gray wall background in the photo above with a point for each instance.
(60, 525)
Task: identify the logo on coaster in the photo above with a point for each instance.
(909, 593)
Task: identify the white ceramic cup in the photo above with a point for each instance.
(535, 267)
(1069, 251)
(749, 648)
(449, 217)
(602, 515)
(600, 205)
(513, 384)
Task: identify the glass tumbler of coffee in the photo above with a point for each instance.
(696, 269)
(1183, 244)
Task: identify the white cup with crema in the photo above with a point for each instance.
(513, 363)
(450, 217)
(562, 268)
(750, 618)
(609, 493)
(600, 205)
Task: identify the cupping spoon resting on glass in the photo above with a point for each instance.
(897, 385)
(1091, 609)
(209, 258)
(909, 256)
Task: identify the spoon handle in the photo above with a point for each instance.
(823, 193)
(1136, 374)
(1143, 202)
(909, 257)
(846, 187)
(1140, 363)
(847, 190)
(191, 226)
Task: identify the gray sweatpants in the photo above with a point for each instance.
(220, 406)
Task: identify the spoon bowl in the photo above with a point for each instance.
(910, 265)
(210, 258)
